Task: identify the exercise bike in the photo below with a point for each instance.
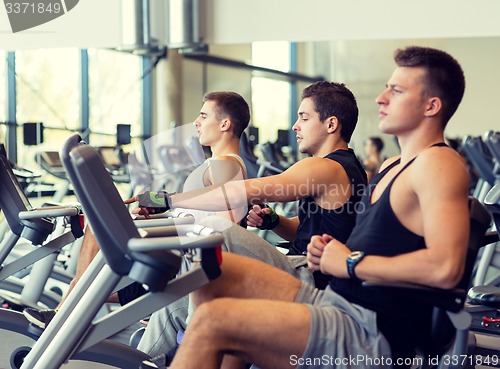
(74, 337)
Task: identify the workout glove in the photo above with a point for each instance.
(269, 221)
(154, 202)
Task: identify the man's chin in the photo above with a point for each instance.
(384, 128)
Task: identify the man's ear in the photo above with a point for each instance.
(434, 107)
(225, 125)
(332, 124)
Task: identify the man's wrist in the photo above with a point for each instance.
(352, 261)
(270, 220)
(156, 202)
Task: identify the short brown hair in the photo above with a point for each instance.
(234, 106)
(334, 99)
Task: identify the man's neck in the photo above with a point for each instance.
(414, 143)
(226, 147)
(325, 150)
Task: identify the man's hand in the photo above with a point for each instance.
(315, 250)
(334, 259)
(326, 254)
(262, 217)
(150, 203)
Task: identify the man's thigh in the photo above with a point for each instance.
(240, 241)
(342, 334)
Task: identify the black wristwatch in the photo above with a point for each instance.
(352, 260)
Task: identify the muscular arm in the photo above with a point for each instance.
(308, 177)
(439, 182)
(287, 228)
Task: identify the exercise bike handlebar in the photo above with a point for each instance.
(161, 222)
(174, 243)
(175, 230)
(50, 212)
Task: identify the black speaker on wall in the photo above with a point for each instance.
(253, 136)
(33, 133)
(283, 137)
(122, 134)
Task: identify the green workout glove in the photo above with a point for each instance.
(269, 221)
(154, 202)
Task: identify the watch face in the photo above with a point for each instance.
(356, 255)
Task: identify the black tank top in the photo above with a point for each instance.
(379, 232)
(314, 220)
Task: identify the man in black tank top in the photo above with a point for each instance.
(329, 183)
(401, 235)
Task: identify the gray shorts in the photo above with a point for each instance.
(343, 335)
(160, 335)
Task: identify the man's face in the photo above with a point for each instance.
(207, 125)
(369, 148)
(308, 127)
(402, 103)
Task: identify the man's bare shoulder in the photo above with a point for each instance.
(318, 164)
(323, 170)
(229, 161)
(440, 166)
(225, 158)
(388, 162)
(439, 156)
(224, 168)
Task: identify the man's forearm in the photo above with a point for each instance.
(287, 228)
(231, 195)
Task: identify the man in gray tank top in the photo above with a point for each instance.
(223, 117)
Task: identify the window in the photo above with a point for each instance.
(47, 87)
(274, 55)
(271, 107)
(271, 97)
(47, 82)
(115, 93)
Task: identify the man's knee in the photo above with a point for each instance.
(204, 316)
(211, 316)
(88, 233)
(89, 245)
